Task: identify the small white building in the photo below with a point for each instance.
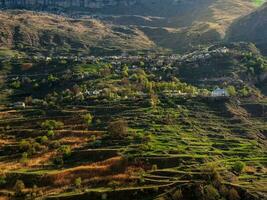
(218, 92)
(19, 105)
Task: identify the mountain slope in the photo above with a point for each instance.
(28, 31)
(251, 28)
(108, 28)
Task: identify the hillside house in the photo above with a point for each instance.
(19, 105)
(218, 92)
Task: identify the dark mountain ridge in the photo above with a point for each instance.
(252, 28)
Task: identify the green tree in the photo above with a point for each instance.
(78, 182)
(118, 128)
(51, 124)
(88, 118)
(231, 90)
(65, 150)
(24, 158)
(239, 166)
(125, 71)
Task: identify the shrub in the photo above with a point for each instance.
(88, 118)
(42, 139)
(24, 145)
(233, 195)
(154, 167)
(55, 144)
(51, 124)
(78, 182)
(19, 187)
(114, 184)
(178, 195)
(58, 161)
(96, 143)
(118, 128)
(50, 133)
(24, 158)
(65, 150)
(238, 166)
(231, 90)
(2, 178)
(211, 193)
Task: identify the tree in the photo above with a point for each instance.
(24, 158)
(211, 193)
(16, 84)
(154, 100)
(65, 150)
(118, 128)
(125, 71)
(88, 118)
(51, 124)
(231, 90)
(78, 182)
(19, 187)
(238, 166)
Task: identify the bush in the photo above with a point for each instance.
(178, 195)
(118, 128)
(24, 145)
(238, 166)
(154, 167)
(19, 187)
(58, 161)
(65, 150)
(78, 182)
(2, 178)
(114, 184)
(29, 146)
(50, 133)
(233, 195)
(88, 118)
(42, 139)
(231, 90)
(24, 158)
(54, 144)
(211, 193)
(51, 124)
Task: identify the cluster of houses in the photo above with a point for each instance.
(216, 93)
(204, 54)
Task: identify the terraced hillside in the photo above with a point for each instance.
(169, 147)
(116, 128)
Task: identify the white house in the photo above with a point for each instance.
(218, 92)
(19, 105)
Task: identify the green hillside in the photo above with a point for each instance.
(133, 128)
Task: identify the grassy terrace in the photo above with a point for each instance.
(103, 132)
(169, 145)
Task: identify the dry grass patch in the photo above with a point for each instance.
(104, 168)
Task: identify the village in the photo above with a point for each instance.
(136, 77)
